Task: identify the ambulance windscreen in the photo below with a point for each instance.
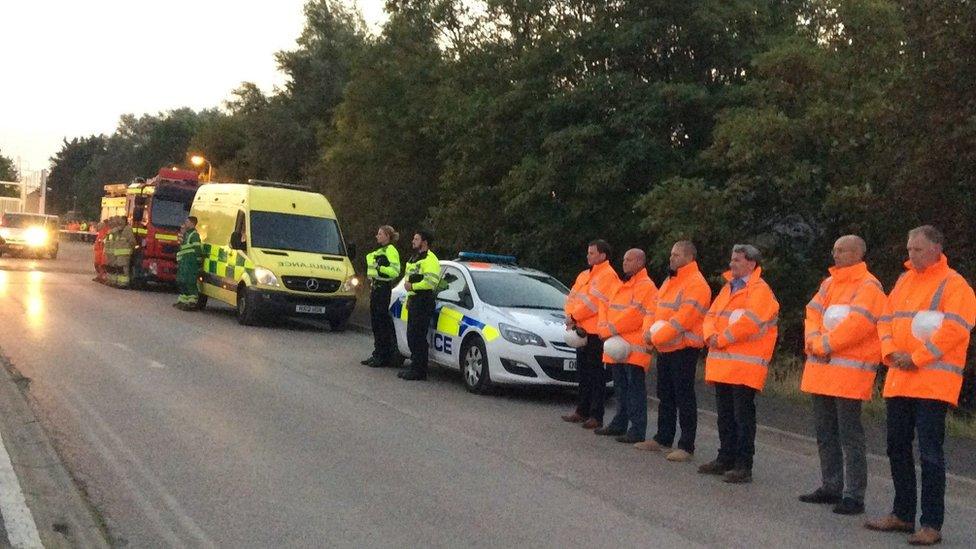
(299, 233)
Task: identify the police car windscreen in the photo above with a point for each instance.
(300, 233)
(169, 213)
(508, 289)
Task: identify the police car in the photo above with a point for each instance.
(496, 322)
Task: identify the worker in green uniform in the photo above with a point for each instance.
(188, 261)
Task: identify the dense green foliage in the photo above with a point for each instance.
(8, 172)
(532, 126)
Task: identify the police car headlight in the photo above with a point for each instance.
(265, 277)
(350, 284)
(35, 236)
(519, 337)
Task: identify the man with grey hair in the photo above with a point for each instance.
(740, 332)
(924, 334)
(843, 351)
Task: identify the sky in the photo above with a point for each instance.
(70, 68)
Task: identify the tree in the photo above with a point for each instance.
(8, 172)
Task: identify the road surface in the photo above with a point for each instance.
(187, 429)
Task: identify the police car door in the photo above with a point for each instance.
(453, 302)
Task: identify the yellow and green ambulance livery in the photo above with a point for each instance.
(273, 250)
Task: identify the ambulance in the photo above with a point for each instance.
(273, 250)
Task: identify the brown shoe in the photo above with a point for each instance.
(649, 445)
(737, 476)
(925, 536)
(679, 456)
(591, 424)
(889, 523)
(574, 418)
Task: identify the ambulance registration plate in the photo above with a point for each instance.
(310, 309)
(569, 365)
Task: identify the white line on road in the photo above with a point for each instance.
(17, 518)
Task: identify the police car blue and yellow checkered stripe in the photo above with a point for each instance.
(449, 321)
(227, 264)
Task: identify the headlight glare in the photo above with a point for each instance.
(265, 277)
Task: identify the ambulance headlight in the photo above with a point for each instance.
(265, 277)
(35, 237)
(519, 337)
(350, 284)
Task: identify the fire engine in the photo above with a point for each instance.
(154, 209)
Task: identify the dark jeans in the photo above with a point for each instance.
(630, 388)
(420, 310)
(840, 442)
(927, 417)
(592, 379)
(736, 407)
(384, 342)
(676, 393)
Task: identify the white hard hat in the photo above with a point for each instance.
(834, 315)
(736, 315)
(656, 327)
(574, 340)
(925, 323)
(617, 348)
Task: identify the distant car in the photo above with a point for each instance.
(26, 234)
(497, 323)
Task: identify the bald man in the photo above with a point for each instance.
(843, 352)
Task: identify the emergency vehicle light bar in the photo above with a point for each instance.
(487, 258)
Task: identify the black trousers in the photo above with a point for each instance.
(592, 379)
(736, 407)
(678, 402)
(384, 342)
(906, 416)
(420, 311)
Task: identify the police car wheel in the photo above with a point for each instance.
(474, 366)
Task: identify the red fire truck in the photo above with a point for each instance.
(154, 209)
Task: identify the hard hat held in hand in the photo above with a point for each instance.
(736, 315)
(617, 348)
(574, 340)
(925, 323)
(834, 315)
(656, 327)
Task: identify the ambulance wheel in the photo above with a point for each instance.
(201, 302)
(474, 366)
(246, 311)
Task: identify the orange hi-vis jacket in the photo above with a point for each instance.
(941, 358)
(592, 287)
(845, 359)
(682, 304)
(743, 348)
(631, 302)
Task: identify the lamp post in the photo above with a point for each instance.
(198, 161)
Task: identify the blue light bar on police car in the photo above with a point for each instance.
(487, 258)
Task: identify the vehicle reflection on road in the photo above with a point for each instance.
(34, 303)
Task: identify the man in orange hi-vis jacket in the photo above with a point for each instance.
(924, 333)
(843, 353)
(740, 331)
(675, 331)
(624, 351)
(592, 288)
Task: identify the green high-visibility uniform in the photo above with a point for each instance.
(188, 261)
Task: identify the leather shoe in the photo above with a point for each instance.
(849, 506)
(368, 362)
(628, 439)
(649, 445)
(820, 496)
(608, 432)
(737, 476)
(889, 523)
(574, 418)
(679, 456)
(925, 536)
(591, 424)
(411, 375)
(715, 467)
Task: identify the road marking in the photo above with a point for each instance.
(156, 364)
(17, 518)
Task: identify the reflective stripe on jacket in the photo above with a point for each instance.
(682, 304)
(593, 287)
(630, 303)
(845, 359)
(942, 357)
(743, 348)
(375, 271)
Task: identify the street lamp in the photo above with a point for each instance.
(198, 161)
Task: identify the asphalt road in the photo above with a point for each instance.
(187, 429)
